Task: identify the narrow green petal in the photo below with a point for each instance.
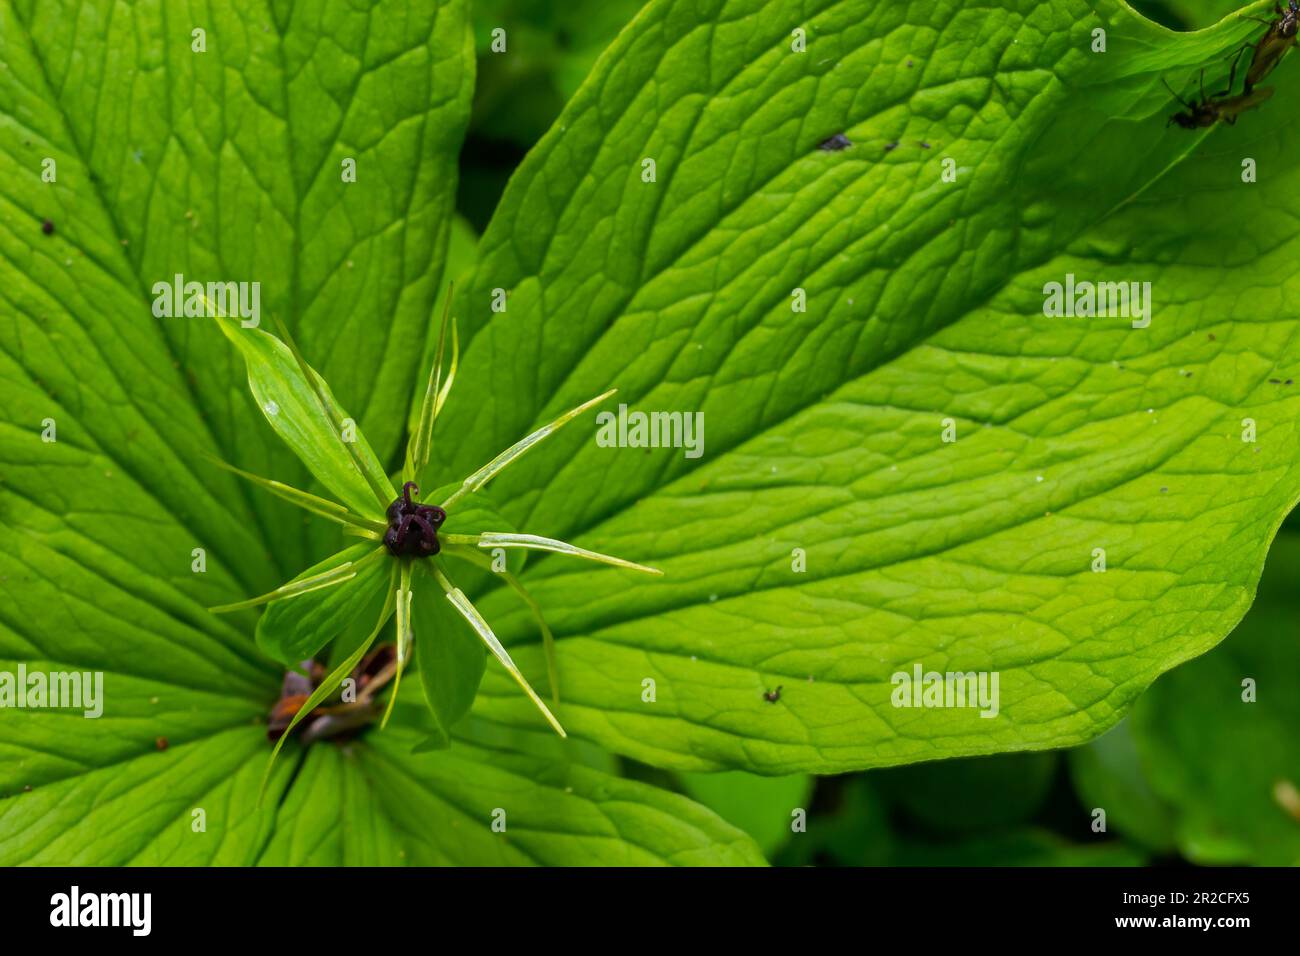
(451, 376)
(299, 586)
(403, 600)
(484, 631)
(292, 631)
(504, 539)
(485, 474)
(450, 659)
(435, 394)
(548, 639)
(304, 499)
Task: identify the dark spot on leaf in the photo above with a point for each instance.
(1211, 336)
(772, 696)
(835, 143)
(909, 64)
(890, 147)
(47, 227)
(923, 144)
(1275, 381)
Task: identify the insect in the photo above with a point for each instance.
(1217, 108)
(835, 143)
(772, 696)
(47, 227)
(341, 714)
(405, 515)
(1273, 45)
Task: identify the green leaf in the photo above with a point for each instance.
(925, 303)
(294, 629)
(1230, 769)
(146, 808)
(222, 181)
(761, 806)
(450, 658)
(302, 413)
(375, 805)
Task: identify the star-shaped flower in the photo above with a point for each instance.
(401, 568)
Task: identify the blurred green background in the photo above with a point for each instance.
(1194, 775)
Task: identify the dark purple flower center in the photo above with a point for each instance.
(412, 527)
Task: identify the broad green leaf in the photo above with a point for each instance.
(194, 804)
(377, 805)
(1230, 769)
(293, 629)
(185, 170)
(302, 413)
(450, 658)
(828, 538)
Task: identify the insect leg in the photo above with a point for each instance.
(1232, 75)
(1175, 95)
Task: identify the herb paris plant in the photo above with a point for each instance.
(302, 410)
